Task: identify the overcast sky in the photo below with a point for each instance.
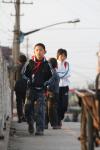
(81, 40)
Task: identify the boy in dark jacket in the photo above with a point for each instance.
(37, 72)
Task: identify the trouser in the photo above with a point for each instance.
(62, 102)
(20, 100)
(51, 112)
(38, 112)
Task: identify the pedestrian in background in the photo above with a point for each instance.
(52, 95)
(20, 87)
(64, 74)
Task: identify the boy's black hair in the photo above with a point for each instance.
(61, 51)
(53, 62)
(40, 44)
(22, 58)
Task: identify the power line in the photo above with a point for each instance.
(16, 2)
(82, 75)
(88, 5)
(3, 30)
(5, 12)
(83, 67)
(5, 35)
(8, 33)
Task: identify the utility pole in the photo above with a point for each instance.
(16, 43)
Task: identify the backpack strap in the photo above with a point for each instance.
(65, 64)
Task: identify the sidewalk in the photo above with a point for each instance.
(62, 139)
(4, 142)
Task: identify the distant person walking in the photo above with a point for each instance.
(20, 87)
(64, 74)
(53, 94)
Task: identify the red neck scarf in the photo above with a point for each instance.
(38, 64)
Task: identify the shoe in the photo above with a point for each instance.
(23, 119)
(30, 128)
(19, 120)
(46, 126)
(39, 133)
(55, 127)
(58, 127)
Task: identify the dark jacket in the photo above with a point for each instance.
(38, 76)
(21, 84)
(53, 82)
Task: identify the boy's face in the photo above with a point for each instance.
(61, 57)
(39, 52)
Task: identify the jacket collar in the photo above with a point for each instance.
(35, 59)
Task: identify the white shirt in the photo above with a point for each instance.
(64, 73)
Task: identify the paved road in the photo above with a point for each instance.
(62, 139)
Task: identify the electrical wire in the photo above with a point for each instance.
(82, 75)
(83, 67)
(7, 18)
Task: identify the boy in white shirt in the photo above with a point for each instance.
(64, 74)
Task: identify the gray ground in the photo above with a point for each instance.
(62, 139)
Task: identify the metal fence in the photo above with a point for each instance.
(5, 94)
